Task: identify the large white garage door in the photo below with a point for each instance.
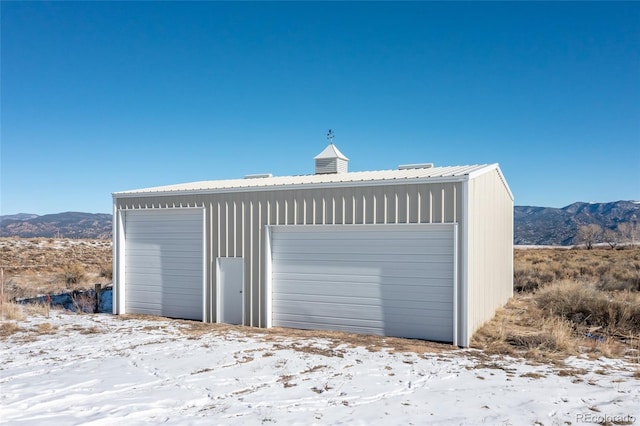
(164, 262)
(393, 280)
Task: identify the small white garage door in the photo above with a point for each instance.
(164, 262)
(392, 280)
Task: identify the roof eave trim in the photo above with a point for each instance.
(489, 168)
(293, 186)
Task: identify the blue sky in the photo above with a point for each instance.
(107, 96)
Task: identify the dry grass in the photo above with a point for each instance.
(35, 266)
(8, 328)
(608, 269)
(46, 328)
(11, 312)
(106, 270)
(613, 313)
(569, 302)
(561, 296)
(41, 309)
(73, 273)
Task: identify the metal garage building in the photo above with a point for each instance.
(423, 252)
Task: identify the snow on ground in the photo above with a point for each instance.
(104, 370)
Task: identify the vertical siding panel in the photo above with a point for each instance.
(282, 207)
(436, 203)
(222, 226)
(374, 207)
(425, 207)
(385, 209)
(228, 225)
(254, 209)
(326, 207)
(278, 213)
(402, 202)
(238, 226)
(259, 300)
(413, 204)
(390, 206)
(359, 201)
(448, 202)
(212, 256)
(430, 204)
(455, 202)
(322, 219)
(347, 211)
(407, 206)
(338, 209)
(246, 254)
(234, 226)
(315, 211)
(310, 207)
(273, 212)
(218, 230)
(303, 212)
(291, 208)
(286, 211)
(354, 207)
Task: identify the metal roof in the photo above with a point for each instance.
(381, 177)
(331, 151)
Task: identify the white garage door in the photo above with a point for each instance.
(164, 262)
(393, 280)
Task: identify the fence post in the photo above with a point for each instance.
(98, 289)
(2, 293)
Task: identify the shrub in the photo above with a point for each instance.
(73, 273)
(106, 270)
(555, 335)
(11, 311)
(84, 303)
(583, 304)
(8, 328)
(46, 328)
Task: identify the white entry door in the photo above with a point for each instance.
(393, 280)
(230, 280)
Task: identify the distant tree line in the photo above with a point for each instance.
(624, 233)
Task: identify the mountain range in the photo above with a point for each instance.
(61, 225)
(559, 226)
(532, 225)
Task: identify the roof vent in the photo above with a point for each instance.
(258, 176)
(331, 160)
(415, 166)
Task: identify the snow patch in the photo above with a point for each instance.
(101, 369)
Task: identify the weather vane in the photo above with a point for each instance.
(330, 136)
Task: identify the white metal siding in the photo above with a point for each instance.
(490, 249)
(394, 280)
(236, 221)
(164, 262)
(476, 198)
